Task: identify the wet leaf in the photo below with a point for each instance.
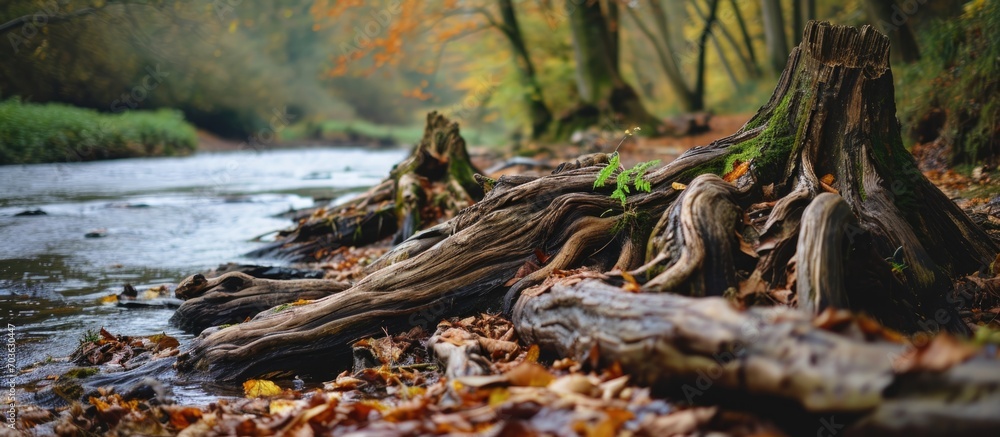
(113, 298)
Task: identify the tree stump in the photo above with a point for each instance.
(744, 217)
(433, 183)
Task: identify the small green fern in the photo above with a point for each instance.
(635, 176)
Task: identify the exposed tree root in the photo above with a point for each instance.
(809, 199)
(233, 297)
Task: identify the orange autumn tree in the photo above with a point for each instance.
(413, 34)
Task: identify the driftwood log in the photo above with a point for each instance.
(813, 203)
(436, 181)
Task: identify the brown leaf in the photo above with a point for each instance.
(183, 417)
(832, 319)
(541, 256)
(529, 374)
(941, 353)
(498, 348)
(528, 268)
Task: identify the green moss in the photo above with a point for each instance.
(68, 390)
(80, 373)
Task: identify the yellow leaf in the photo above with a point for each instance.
(279, 406)
(498, 396)
(738, 170)
(260, 388)
(233, 25)
(532, 355)
(678, 186)
(109, 299)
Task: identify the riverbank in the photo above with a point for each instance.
(33, 133)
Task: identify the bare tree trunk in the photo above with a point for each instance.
(666, 57)
(892, 21)
(699, 87)
(774, 34)
(746, 36)
(541, 117)
(603, 91)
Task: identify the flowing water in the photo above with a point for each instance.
(160, 220)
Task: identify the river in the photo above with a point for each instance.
(160, 220)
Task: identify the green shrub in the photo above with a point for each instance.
(952, 90)
(31, 133)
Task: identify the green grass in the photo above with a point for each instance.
(958, 74)
(33, 133)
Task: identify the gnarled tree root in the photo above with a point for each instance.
(233, 297)
(829, 127)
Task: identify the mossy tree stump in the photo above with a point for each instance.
(433, 183)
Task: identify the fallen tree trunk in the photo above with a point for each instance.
(742, 217)
(706, 350)
(432, 184)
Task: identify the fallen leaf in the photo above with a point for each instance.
(529, 374)
(832, 319)
(532, 355)
(574, 383)
(183, 417)
(678, 186)
(941, 353)
(631, 285)
(739, 169)
(280, 406)
(260, 388)
(109, 299)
